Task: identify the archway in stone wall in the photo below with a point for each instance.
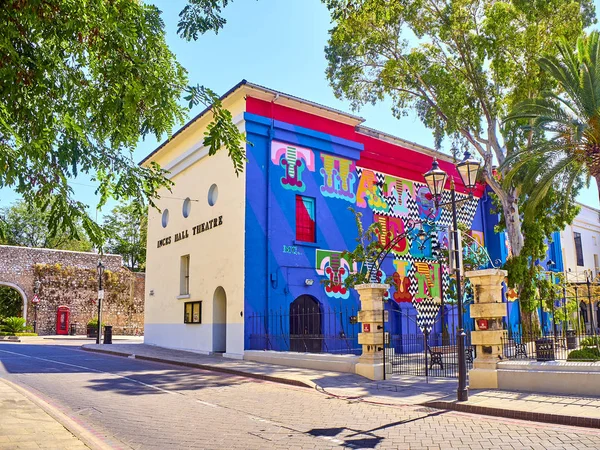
(15, 288)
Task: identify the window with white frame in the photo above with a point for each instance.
(184, 285)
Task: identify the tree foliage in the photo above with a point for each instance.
(461, 64)
(26, 225)
(11, 303)
(564, 126)
(126, 227)
(81, 82)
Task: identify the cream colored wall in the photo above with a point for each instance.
(216, 255)
(586, 223)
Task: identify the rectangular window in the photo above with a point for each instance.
(184, 283)
(578, 248)
(305, 219)
(192, 312)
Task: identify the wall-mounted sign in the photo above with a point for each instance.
(209, 225)
(482, 324)
(366, 327)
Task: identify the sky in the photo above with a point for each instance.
(278, 44)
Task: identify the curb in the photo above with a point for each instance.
(574, 421)
(87, 437)
(10, 338)
(241, 373)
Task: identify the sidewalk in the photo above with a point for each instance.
(23, 424)
(398, 391)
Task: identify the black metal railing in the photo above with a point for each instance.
(433, 355)
(569, 345)
(306, 330)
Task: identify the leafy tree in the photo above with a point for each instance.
(11, 302)
(567, 124)
(126, 229)
(461, 64)
(81, 83)
(27, 226)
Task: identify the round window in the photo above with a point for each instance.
(213, 194)
(187, 207)
(165, 218)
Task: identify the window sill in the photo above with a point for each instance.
(184, 296)
(306, 244)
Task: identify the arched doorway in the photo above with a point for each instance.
(219, 321)
(306, 332)
(13, 301)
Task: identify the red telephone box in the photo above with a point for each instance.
(62, 320)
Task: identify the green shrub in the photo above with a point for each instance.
(13, 325)
(6, 333)
(585, 354)
(94, 323)
(590, 341)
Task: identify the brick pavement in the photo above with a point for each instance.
(25, 425)
(157, 406)
(398, 390)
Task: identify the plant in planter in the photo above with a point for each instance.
(367, 253)
(92, 328)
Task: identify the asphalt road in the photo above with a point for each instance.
(158, 406)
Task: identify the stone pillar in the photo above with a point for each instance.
(372, 316)
(488, 311)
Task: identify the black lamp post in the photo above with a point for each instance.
(588, 281)
(100, 270)
(549, 264)
(436, 180)
(36, 305)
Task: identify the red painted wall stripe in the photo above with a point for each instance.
(378, 155)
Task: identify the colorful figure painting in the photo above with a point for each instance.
(336, 269)
(338, 178)
(294, 160)
(426, 204)
(367, 194)
(402, 281)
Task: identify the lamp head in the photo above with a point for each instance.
(435, 179)
(468, 169)
(100, 269)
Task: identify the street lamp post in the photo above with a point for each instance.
(100, 270)
(436, 180)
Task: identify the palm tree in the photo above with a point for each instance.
(563, 128)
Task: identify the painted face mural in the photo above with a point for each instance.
(336, 269)
(294, 160)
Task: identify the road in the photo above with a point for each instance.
(158, 406)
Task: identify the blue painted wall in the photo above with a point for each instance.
(277, 266)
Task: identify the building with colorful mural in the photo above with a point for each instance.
(230, 259)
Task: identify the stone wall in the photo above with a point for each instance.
(70, 279)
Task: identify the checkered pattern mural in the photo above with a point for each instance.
(410, 200)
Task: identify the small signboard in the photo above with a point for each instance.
(35, 299)
(366, 327)
(101, 295)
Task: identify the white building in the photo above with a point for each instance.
(580, 244)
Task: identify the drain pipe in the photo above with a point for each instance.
(268, 281)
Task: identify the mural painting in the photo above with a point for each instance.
(338, 178)
(294, 160)
(335, 268)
